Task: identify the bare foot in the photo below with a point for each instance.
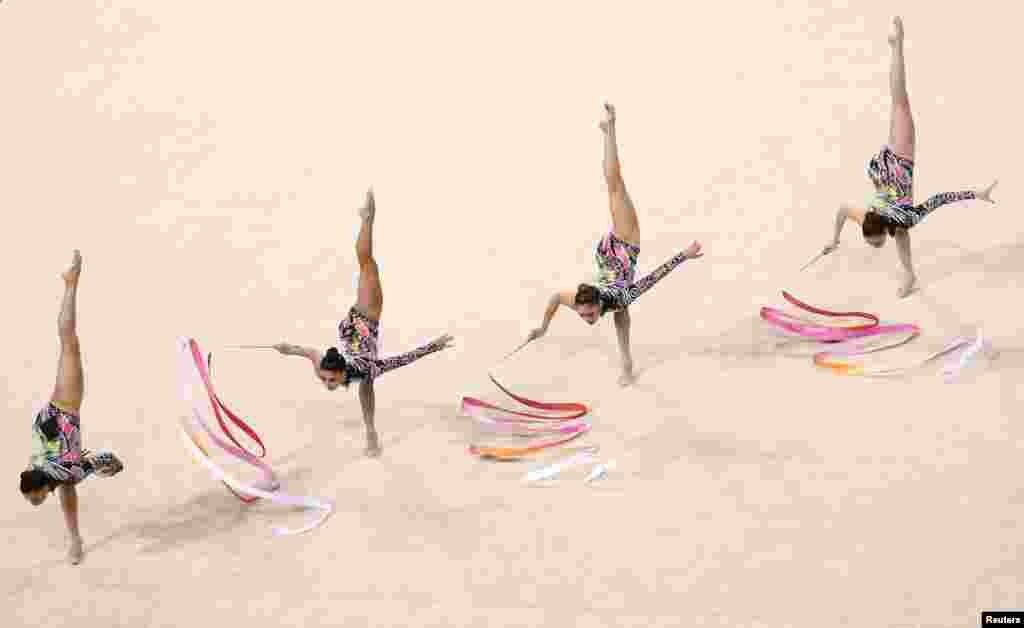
(372, 446)
(369, 208)
(75, 551)
(896, 36)
(908, 287)
(609, 117)
(627, 376)
(71, 275)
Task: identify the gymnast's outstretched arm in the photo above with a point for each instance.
(843, 214)
(565, 298)
(383, 365)
(313, 355)
(647, 282)
(938, 200)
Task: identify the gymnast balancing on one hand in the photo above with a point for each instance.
(58, 462)
(615, 288)
(357, 359)
(891, 210)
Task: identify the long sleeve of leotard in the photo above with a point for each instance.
(647, 282)
(937, 201)
(376, 367)
(66, 472)
(393, 362)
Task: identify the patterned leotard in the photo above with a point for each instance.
(57, 448)
(359, 336)
(616, 268)
(893, 176)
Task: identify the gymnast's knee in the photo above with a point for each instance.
(901, 104)
(367, 265)
(613, 178)
(69, 343)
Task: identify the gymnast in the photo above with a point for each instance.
(58, 461)
(357, 360)
(615, 288)
(891, 209)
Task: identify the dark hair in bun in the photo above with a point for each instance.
(332, 360)
(34, 479)
(587, 295)
(875, 225)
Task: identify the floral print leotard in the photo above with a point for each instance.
(359, 335)
(616, 268)
(893, 176)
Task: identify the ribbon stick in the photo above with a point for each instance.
(515, 351)
(812, 262)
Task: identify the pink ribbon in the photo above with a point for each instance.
(567, 424)
(192, 372)
(853, 340)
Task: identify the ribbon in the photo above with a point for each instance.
(600, 471)
(475, 407)
(856, 340)
(525, 424)
(837, 358)
(825, 333)
(552, 470)
(194, 371)
(518, 453)
(970, 349)
(562, 422)
(218, 405)
(325, 507)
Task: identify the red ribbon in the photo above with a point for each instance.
(472, 405)
(218, 405)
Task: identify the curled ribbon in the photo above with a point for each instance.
(825, 333)
(552, 470)
(860, 340)
(562, 420)
(194, 371)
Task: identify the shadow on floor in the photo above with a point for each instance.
(203, 516)
(750, 342)
(999, 259)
